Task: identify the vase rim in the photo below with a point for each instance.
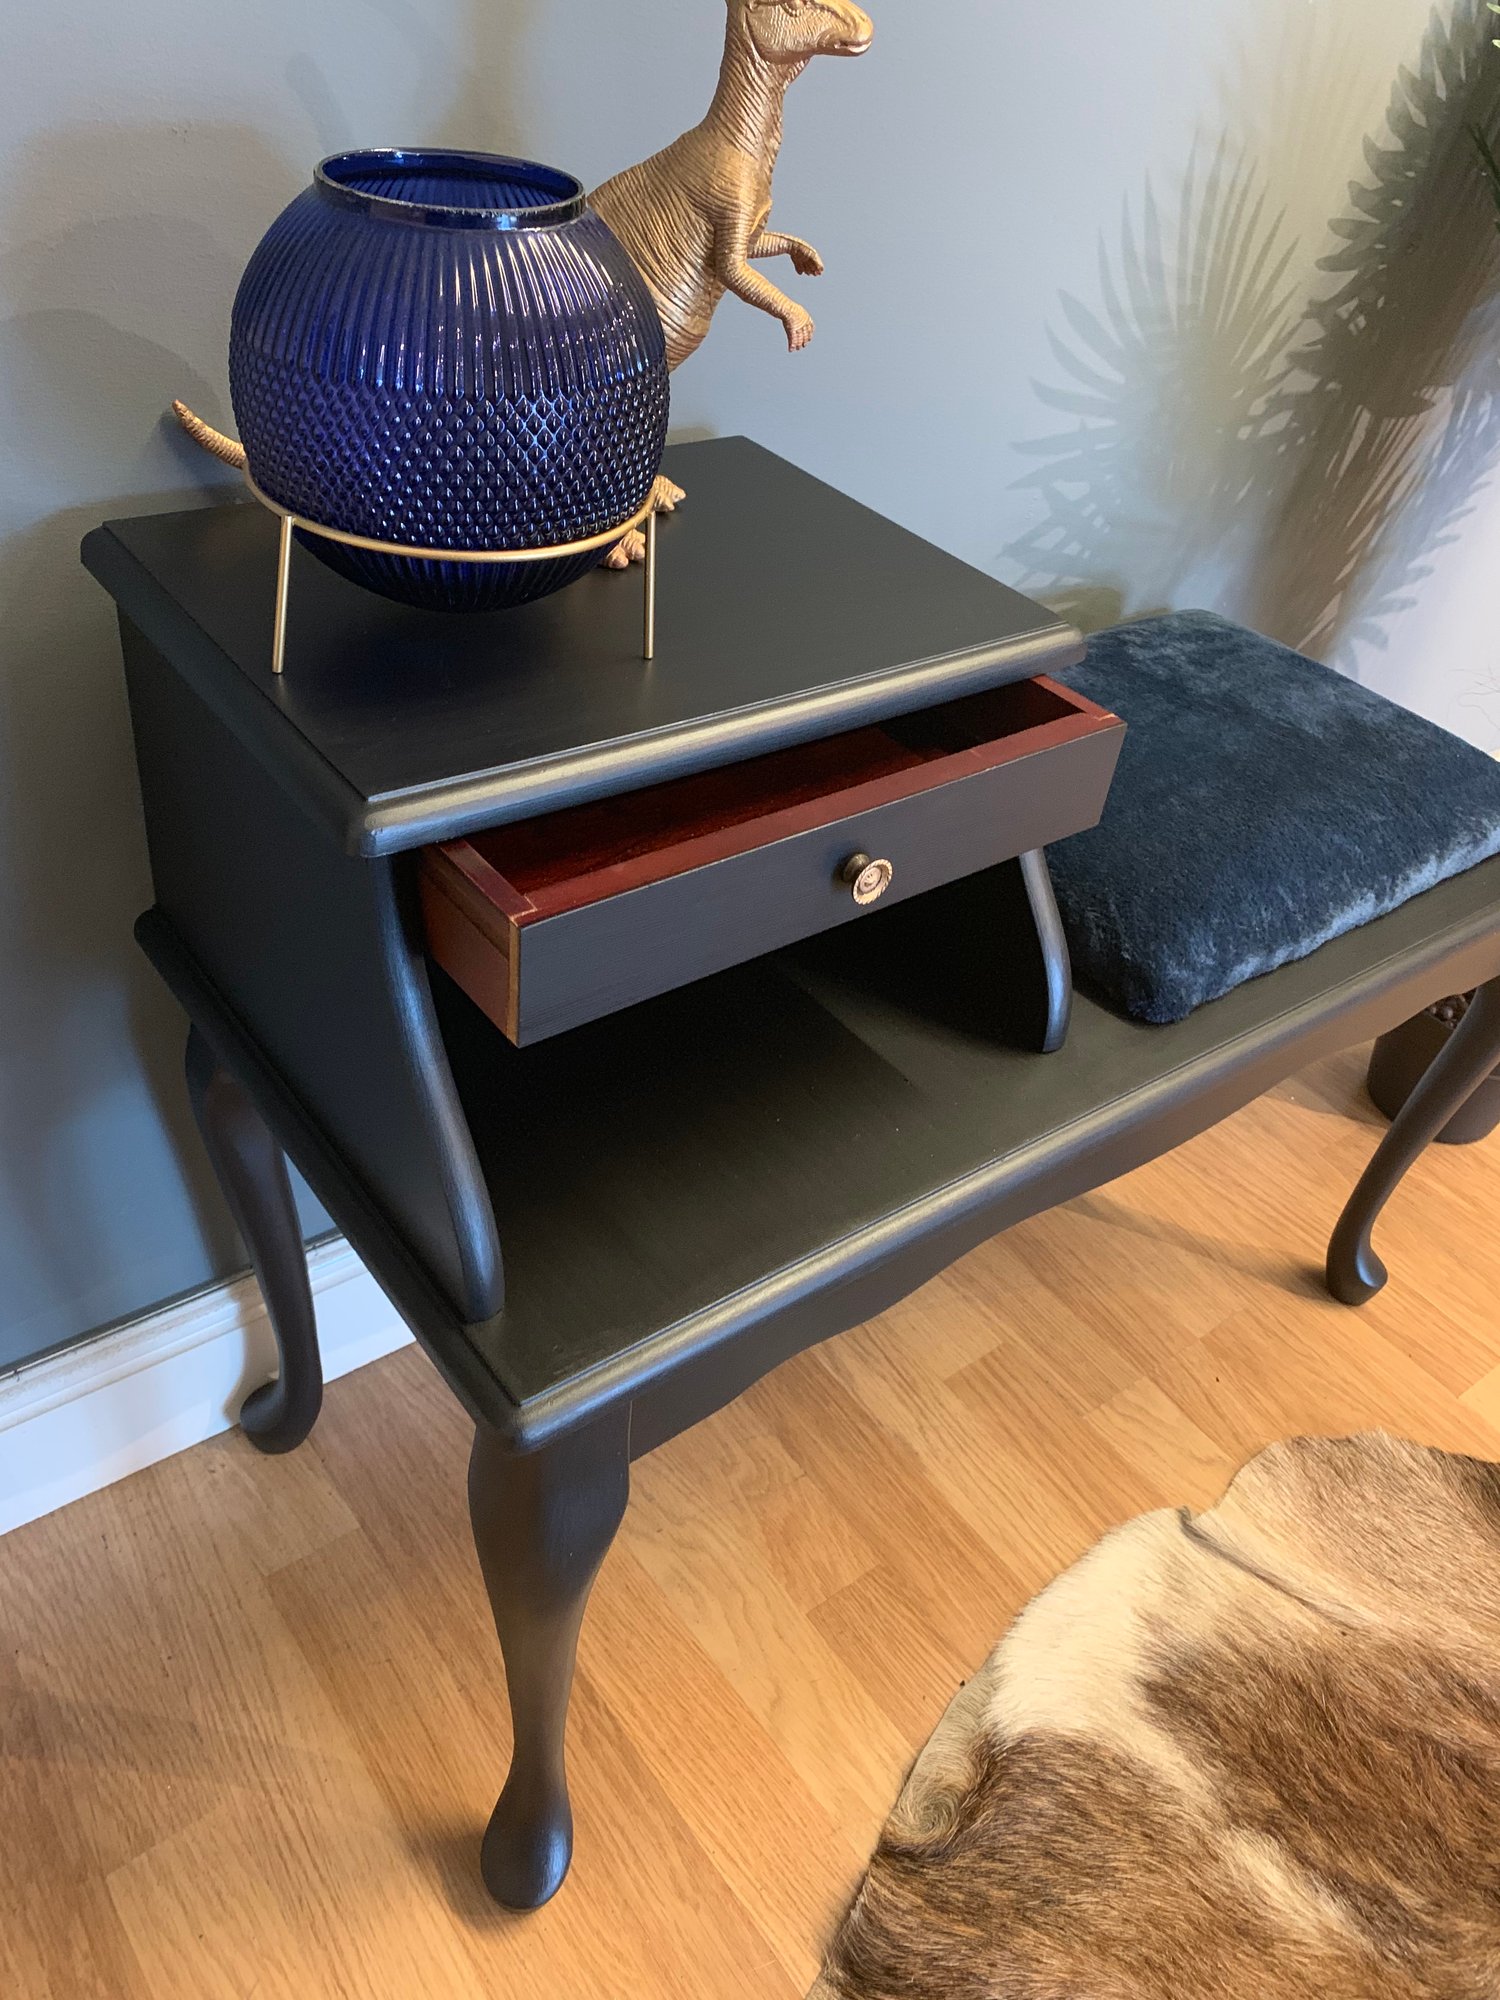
(560, 198)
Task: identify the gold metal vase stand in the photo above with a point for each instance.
(644, 518)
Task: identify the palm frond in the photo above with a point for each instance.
(1489, 165)
(1193, 313)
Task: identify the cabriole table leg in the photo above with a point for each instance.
(543, 1523)
(251, 1170)
(1355, 1272)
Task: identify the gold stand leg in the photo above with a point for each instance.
(283, 591)
(649, 650)
(289, 523)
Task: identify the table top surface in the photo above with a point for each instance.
(665, 1171)
(786, 611)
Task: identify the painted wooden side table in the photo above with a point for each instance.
(643, 1023)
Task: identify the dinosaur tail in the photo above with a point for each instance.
(211, 440)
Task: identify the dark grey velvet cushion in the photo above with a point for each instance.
(1263, 805)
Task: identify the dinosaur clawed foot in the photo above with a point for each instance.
(799, 329)
(666, 496)
(631, 549)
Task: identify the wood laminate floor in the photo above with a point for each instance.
(251, 1712)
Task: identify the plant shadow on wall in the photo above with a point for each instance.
(1297, 463)
(1166, 386)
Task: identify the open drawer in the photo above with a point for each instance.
(551, 922)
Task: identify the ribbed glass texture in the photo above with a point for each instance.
(449, 350)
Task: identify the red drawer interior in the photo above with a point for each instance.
(539, 868)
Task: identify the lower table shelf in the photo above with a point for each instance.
(711, 1156)
(794, 1140)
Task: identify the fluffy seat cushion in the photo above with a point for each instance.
(1263, 805)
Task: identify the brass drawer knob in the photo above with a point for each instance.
(868, 879)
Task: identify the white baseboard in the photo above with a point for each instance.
(84, 1418)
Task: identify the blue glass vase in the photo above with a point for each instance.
(449, 350)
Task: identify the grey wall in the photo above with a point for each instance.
(1123, 304)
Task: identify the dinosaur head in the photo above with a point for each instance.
(794, 31)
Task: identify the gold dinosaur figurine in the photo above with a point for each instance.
(227, 448)
(694, 216)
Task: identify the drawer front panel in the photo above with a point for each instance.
(584, 963)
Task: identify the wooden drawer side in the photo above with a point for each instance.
(475, 945)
